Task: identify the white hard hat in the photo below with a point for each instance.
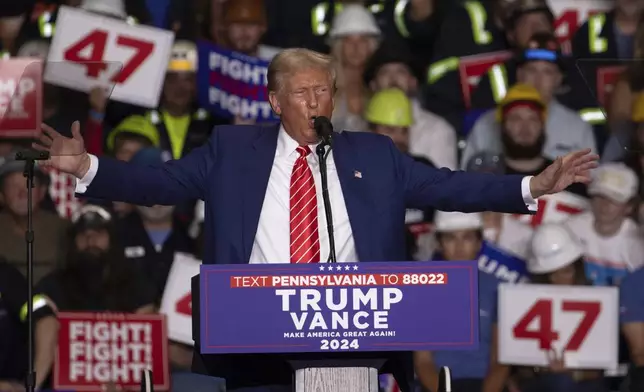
(615, 181)
(553, 247)
(183, 57)
(109, 7)
(454, 221)
(354, 19)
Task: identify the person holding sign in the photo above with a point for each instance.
(557, 259)
(180, 125)
(460, 237)
(613, 243)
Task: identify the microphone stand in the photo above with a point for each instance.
(30, 158)
(322, 155)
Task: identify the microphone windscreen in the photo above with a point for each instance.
(323, 125)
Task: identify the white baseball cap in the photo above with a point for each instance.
(108, 7)
(615, 181)
(454, 221)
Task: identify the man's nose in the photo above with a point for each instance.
(312, 100)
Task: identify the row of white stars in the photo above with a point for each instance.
(338, 268)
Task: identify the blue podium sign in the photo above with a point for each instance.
(401, 306)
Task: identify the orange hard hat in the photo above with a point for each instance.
(245, 11)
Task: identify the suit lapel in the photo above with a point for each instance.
(354, 183)
(257, 169)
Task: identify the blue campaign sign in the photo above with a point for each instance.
(233, 84)
(502, 265)
(401, 306)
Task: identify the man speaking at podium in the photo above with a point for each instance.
(262, 185)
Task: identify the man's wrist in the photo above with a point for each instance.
(535, 190)
(84, 167)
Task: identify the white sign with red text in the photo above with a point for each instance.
(20, 97)
(579, 321)
(571, 14)
(90, 50)
(555, 208)
(177, 298)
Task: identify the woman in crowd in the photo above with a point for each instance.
(557, 259)
(353, 39)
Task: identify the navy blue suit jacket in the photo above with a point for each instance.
(230, 173)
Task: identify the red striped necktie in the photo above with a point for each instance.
(305, 241)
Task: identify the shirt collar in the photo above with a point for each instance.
(286, 145)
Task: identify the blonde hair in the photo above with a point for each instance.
(336, 55)
(290, 61)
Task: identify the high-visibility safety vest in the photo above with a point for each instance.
(47, 24)
(596, 43)
(173, 132)
(478, 19)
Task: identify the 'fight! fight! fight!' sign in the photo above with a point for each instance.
(339, 307)
(95, 349)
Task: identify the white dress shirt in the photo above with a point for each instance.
(272, 240)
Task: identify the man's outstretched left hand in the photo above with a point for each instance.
(563, 172)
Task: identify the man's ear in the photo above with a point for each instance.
(275, 105)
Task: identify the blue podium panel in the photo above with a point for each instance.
(289, 308)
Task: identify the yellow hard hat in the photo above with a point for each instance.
(390, 107)
(521, 93)
(638, 108)
(136, 125)
(183, 57)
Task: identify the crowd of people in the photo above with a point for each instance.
(401, 72)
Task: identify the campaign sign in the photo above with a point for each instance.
(579, 323)
(233, 84)
(555, 208)
(571, 14)
(401, 306)
(472, 68)
(91, 50)
(607, 77)
(20, 97)
(95, 349)
(502, 265)
(177, 298)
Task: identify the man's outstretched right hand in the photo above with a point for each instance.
(67, 155)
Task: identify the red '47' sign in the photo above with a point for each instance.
(571, 14)
(90, 50)
(541, 314)
(177, 298)
(20, 97)
(95, 43)
(580, 322)
(555, 208)
(95, 349)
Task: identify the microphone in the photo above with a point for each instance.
(324, 129)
